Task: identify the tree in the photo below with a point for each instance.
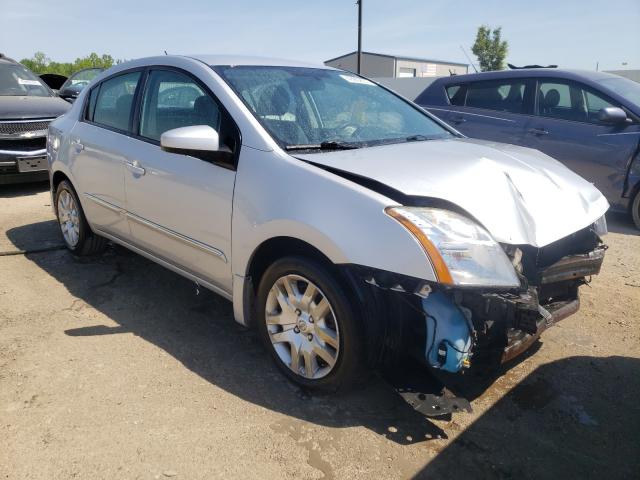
(40, 63)
(490, 49)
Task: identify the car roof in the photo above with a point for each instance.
(570, 74)
(217, 60)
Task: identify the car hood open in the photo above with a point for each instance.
(520, 195)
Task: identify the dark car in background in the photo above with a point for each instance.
(590, 121)
(27, 106)
(72, 87)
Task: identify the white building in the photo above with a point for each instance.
(379, 65)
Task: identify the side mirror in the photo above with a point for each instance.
(200, 141)
(612, 116)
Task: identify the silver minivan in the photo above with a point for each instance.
(347, 225)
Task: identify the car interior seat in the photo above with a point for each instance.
(206, 112)
(272, 104)
(489, 98)
(122, 111)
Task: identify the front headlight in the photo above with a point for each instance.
(461, 251)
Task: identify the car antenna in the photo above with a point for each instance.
(465, 54)
(165, 52)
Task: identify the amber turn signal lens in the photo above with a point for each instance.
(437, 262)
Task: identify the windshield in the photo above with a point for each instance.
(316, 107)
(82, 78)
(624, 87)
(16, 80)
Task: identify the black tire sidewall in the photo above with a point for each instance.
(348, 367)
(635, 210)
(84, 231)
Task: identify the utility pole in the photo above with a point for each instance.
(359, 3)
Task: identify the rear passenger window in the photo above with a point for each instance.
(456, 95)
(174, 100)
(114, 101)
(499, 95)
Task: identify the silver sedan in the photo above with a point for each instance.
(347, 225)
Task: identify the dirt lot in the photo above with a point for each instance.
(113, 367)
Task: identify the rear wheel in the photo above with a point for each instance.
(308, 325)
(75, 230)
(635, 210)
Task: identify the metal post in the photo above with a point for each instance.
(359, 3)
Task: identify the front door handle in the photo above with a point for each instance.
(538, 131)
(135, 168)
(459, 119)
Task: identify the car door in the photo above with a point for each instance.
(98, 141)
(567, 128)
(179, 206)
(494, 110)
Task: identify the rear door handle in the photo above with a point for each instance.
(459, 119)
(77, 146)
(538, 131)
(135, 168)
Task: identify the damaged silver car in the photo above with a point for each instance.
(346, 225)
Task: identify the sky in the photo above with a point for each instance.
(569, 33)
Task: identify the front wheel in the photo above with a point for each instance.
(75, 230)
(635, 210)
(308, 324)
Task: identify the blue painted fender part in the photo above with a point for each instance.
(448, 344)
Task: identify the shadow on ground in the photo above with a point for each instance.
(621, 223)
(23, 189)
(573, 418)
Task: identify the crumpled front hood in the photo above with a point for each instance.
(520, 195)
(25, 108)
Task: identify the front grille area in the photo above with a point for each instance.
(14, 128)
(24, 145)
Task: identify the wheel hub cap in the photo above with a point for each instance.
(302, 327)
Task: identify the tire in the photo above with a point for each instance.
(635, 210)
(76, 233)
(335, 332)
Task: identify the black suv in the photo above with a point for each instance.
(27, 106)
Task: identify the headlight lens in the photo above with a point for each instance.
(461, 251)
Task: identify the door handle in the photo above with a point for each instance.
(459, 119)
(77, 146)
(538, 131)
(135, 168)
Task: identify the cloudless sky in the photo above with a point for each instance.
(570, 33)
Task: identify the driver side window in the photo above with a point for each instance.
(569, 101)
(173, 100)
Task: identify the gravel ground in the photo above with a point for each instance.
(113, 367)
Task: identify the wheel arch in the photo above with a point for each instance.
(267, 252)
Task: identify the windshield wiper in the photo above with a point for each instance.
(332, 145)
(417, 138)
